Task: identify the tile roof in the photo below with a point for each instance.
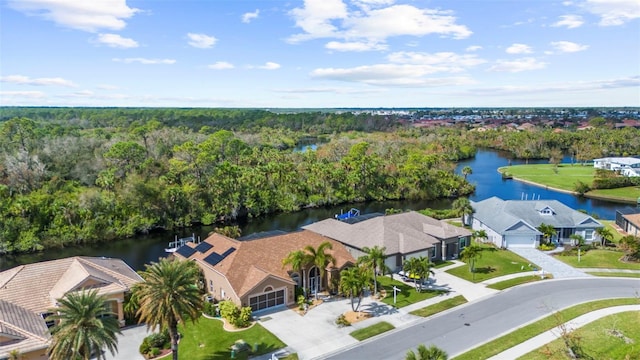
(36, 286)
(402, 233)
(27, 330)
(256, 260)
(633, 219)
(501, 215)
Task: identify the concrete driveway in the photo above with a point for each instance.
(547, 263)
(129, 342)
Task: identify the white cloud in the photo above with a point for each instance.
(221, 65)
(86, 15)
(145, 61)
(355, 46)
(633, 81)
(518, 65)
(116, 41)
(372, 22)
(201, 41)
(269, 66)
(613, 12)
(248, 17)
(107, 87)
(407, 69)
(568, 46)
(519, 49)
(570, 21)
(25, 80)
(473, 48)
(23, 94)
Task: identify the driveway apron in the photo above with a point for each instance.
(548, 264)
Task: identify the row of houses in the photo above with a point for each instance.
(250, 272)
(625, 166)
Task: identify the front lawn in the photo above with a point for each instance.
(614, 274)
(626, 194)
(516, 281)
(524, 333)
(598, 258)
(611, 337)
(493, 263)
(371, 331)
(439, 307)
(407, 294)
(609, 225)
(207, 340)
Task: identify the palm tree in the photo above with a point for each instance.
(480, 234)
(418, 268)
(577, 239)
(84, 327)
(463, 206)
(467, 171)
(321, 259)
(298, 261)
(547, 231)
(376, 259)
(168, 295)
(470, 254)
(427, 353)
(352, 281)
(605, 235)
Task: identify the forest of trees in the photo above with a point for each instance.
(72, 176)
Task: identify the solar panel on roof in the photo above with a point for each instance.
(203, 247)
(185, 251)
(213, 258)
(229, 251)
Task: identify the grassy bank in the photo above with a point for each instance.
(565, 177)
(492, 263)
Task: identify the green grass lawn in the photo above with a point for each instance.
(372, 330)
(609, 225)
(514, 338)
(207, 340)
(614, 274)
(566, 177)
(493, 263)
(602, 259)
(598, 339)
(439, 307)
(544, 174)
(407, 294)
(515, 281)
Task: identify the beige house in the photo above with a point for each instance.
(250, 272)
(405, 235)
(29, 292)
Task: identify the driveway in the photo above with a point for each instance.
(129, 343)
(547, 263)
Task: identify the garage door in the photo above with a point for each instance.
(520, 241)
(267, 300)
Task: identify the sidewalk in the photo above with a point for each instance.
(548, 336)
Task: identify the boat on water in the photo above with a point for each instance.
(177, 243)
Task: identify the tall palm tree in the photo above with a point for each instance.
(352, 281)
(298, 260)
(547, 231)
(470, 254)
(169, 295)
(376, 259)
(321, 259)
(427, 353)
(419, 269)
(480, 234)
(605, 235)
(464, 208)
(84, 327)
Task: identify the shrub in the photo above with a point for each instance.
(342, 321)
(144, 347)
(235, 315)
(581, 187)
(210, 308)
(245, 317)
(302, 301)
(155, 351)
(546, 247)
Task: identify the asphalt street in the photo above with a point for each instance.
(475, 323)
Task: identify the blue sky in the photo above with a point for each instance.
(320, 53)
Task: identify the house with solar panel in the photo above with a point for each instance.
(249, 272)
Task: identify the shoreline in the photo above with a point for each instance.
(587, 195)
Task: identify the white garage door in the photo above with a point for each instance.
(520, 241)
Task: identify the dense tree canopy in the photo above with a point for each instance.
(73, 176)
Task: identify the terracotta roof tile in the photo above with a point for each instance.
(255, 260)
(28, 329)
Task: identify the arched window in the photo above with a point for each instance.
(267, 289)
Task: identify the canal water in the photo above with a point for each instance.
(143, 249)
